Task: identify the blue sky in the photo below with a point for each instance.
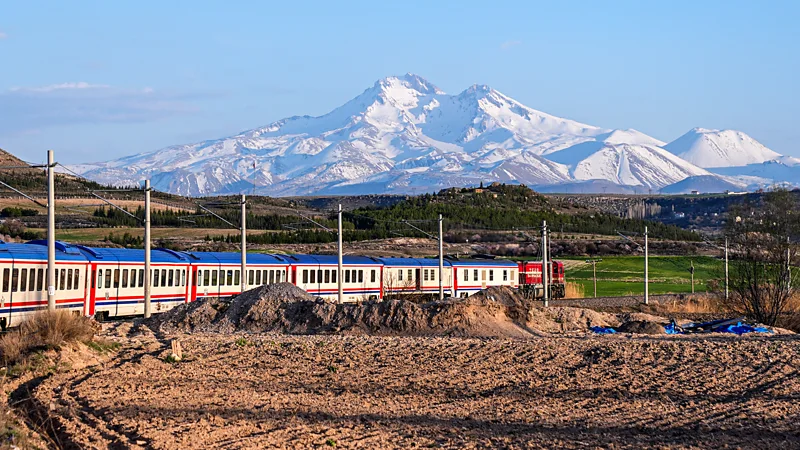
(98, 80)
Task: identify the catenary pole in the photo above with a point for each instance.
(244, 244)
(51, 233)
(147, 273)
(339, 267)
(646, 267)
(441, 260)
(545, 284)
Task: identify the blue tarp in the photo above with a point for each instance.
(603, 330)
(741, 329)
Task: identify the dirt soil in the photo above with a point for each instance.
(280, 391)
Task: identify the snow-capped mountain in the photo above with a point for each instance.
(720, 148)
(405, 135)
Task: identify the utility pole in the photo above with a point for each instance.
(545, 284)
(244, 244)
(646, 267)
(691, 271)
(441, 260)
(788, 266)
(147, 274)
(726, 268)
(51, 233)
(339, 275)
(594, 262)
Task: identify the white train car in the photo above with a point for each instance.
(23, 280)
(218, 274)
(406, 276)
(317, 275)
(473, 275)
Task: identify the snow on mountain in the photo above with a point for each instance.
(405, 135)
(720, 148)
(783, 169)
(625, 157)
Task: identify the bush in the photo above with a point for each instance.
(45, 330)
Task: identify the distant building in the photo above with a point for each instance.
(695, 192)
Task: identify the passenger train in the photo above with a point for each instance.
(109, 282)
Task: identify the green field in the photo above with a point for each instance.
(624, 275)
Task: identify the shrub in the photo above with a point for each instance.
(45, 330)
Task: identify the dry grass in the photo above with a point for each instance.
(573, 290)
(45, 330)
(692, 304)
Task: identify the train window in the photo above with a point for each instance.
(505, 275)
(163, 277)
(410, 274)
(305, 276)
(229, 279)
(62, 280)
(6, 279)
(100, 278)
(319, 275)
(251, 277)
(346, 276)
(14, 280)
(116, 278)
(155, 278)
(475, 275)
(213, 281)
(360, 276)
(57, 278)
(372, 276)
(425, 274)
(313, 276)
(466, 274)
(327, 276)
(400, 275)
(258, 278)
(183, 277)
(69, 279)
(40, 279)
(335, 276)
(124, 278)
(32, 280)
(171, 275)
(75, 279)
(237, 278)
(23, 282)
(141, 277)
(132, 282)
(491, 275)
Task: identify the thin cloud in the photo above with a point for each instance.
(3, 35)
(509, 44)
(34, 108)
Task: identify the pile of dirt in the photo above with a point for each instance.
(642, 327)
(285, 308)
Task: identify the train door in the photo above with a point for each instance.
(91, 283)
(418, 279)
(483, 279)
(193, 282)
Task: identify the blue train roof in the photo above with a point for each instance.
(332, 260)
(483, 262)
(423, 262)
(37, 250)
(234, 258)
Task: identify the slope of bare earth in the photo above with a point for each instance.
(273, 390)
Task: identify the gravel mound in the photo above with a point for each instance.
(285, 308)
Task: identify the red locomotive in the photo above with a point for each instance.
(530, 279)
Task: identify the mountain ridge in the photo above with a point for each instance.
(405, 135)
